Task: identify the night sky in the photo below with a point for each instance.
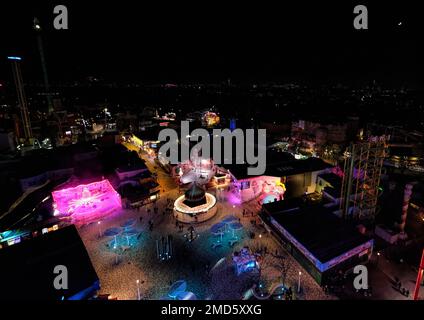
(213, 41)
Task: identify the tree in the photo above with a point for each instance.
(284, 266)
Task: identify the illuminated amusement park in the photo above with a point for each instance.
(154, 230)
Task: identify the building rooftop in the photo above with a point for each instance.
(128, 167)
(322, 233)
(281, 168)
(332, 179)
(27, 267)
(44, 161)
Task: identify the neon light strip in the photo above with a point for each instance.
(181, 207)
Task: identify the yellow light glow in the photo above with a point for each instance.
(181, 207)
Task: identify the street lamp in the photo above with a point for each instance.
(100, 230)
(116, 257)
(138, 290)
(298, 282)
(115, 248)
(105, 111)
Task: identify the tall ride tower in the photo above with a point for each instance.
(37, 28)
(17, 76)
(361, 179)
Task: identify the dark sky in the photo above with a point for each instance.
(212, 40)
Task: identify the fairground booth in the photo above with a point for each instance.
(87, 202)
(320, 241)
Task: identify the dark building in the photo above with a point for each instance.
(319, 240)
(27, 268)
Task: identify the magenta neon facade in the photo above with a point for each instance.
(87, 202)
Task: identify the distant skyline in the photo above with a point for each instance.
(214, 41)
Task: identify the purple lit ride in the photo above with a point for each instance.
(86, 202)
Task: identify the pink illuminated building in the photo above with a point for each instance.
(87, 202)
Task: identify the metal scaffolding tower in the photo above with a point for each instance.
(38, 30)
(361, 178)
(17, 76)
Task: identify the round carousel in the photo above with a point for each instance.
(195, 205)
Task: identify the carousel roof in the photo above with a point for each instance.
(194, 193)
